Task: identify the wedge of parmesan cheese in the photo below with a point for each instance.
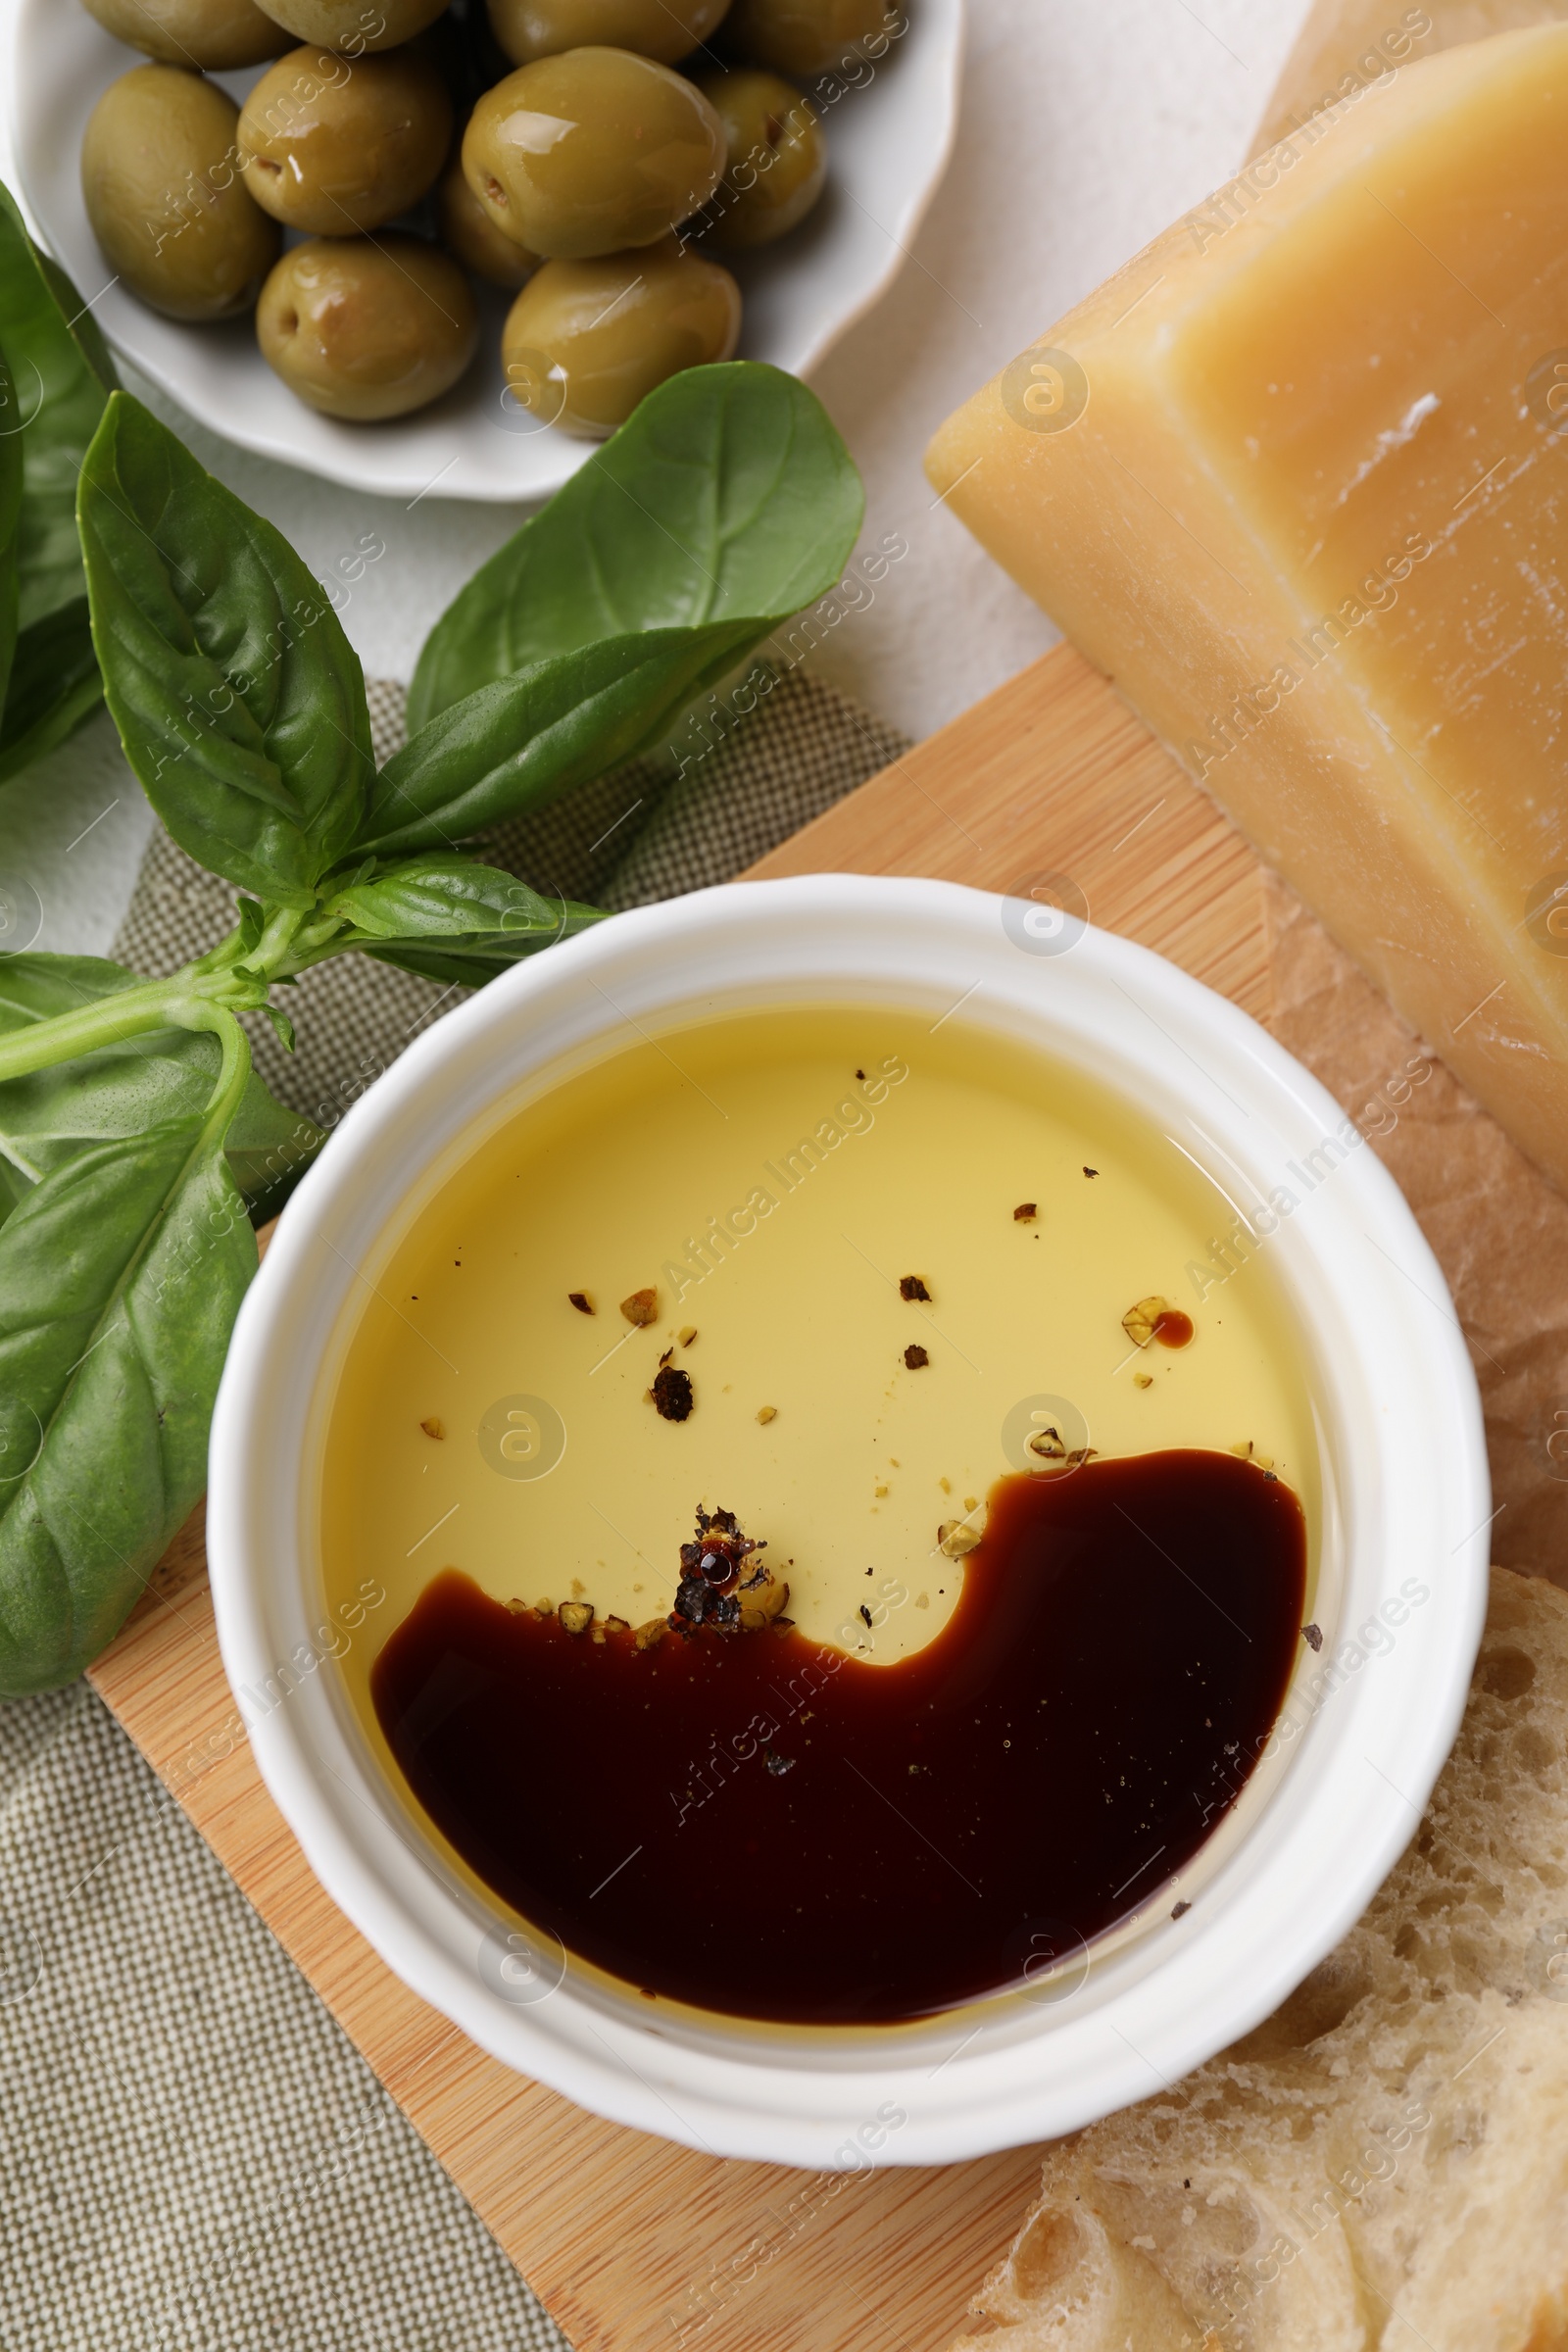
(1298, 481)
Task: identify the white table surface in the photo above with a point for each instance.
(1087, 126)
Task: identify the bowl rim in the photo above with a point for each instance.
(1417, 1508)
(364, 459)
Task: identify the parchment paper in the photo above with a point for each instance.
(1498, 1229)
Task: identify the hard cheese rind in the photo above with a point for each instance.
(1345, 45)
(1298, 481)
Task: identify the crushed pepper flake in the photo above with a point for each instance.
(581, 1302)
(433, 1428)
(911, 1286)
(672, 1394)
(1026, 1212)
(711, 1584)
(1141, 1322)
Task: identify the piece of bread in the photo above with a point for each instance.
(1344, 44)
(1383, 2164)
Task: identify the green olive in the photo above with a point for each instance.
(215, 35)
(355, 28)
(592, 152)
(663, 29)
(161, 180)
(468, 231)
(367, 329)
(778, 157)
(806, 36)
(585, 341)
(333, 144)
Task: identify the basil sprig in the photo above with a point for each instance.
(136, 1144)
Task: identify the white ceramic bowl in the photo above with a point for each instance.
(1406, 1497)
(888, 140)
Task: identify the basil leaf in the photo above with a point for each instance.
(239, 699)
(51, 1116)
(54, 685)
(528, 739)
(63, 376)
(470, 962)
(728, 497)
(451, 919)
(10, 509)
(448, 898)
(120, 1276)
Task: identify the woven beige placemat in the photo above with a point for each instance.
(193, 2157)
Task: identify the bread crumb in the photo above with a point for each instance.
(1026, 1212)
(915, 1358)
(766, 1413)
(1142, 1380)
(923, 1600)
(642, 1307)
(686, 1334)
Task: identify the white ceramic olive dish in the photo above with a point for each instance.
(1399, 1580)
(889, 138)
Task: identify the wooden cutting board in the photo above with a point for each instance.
(631, 2242)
